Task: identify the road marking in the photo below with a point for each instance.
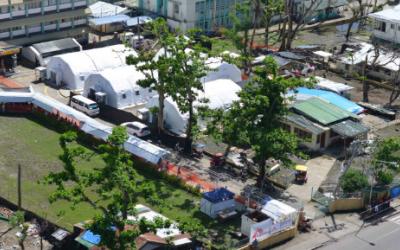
(395, 219)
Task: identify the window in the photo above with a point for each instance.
(392, 26)
(137, 92)
(82, 78)
(176, 8)
(150, 90)
(123, 96)
(318, 138)
(381, 26)
(303, 134)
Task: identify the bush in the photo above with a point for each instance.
(384, 177)
(353, 180)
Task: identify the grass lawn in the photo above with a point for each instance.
(25, 141)
(219, 45)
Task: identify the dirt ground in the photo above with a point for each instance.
(9, 240)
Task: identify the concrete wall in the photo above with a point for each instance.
(349, 204)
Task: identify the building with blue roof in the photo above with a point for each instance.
(330, 97)
(216, 201)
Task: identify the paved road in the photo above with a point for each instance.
(385, 236)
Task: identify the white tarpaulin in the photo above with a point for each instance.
(326, 84)
(279, 211)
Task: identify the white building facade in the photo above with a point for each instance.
(207, 15)
(24, 22)
(387, 25)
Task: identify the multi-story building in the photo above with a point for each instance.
(23, 22)
(207, 15)
(317, 10)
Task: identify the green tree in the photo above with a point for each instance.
(256, 118)
(117, 186)
(188, 67)
(156, 71)
(386, 159)
(270, 9)
(353, 180)
(242, 18)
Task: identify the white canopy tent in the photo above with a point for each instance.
(72, 69)
(220, 94)
(120, 86)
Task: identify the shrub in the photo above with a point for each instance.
(384, 177)
(353, 180)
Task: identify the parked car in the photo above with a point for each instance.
(85, 105)
(136, 128)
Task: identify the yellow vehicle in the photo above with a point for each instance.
(301, 174)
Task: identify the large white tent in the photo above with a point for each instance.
(218, 68)
(120, 86)
(72, 69)
(219, 93)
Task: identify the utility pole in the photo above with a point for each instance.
(19, 186)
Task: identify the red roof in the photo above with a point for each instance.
(8, 83)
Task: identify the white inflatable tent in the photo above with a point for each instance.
(218, 68)
(71, 70)
(120, 86)
(220, 94)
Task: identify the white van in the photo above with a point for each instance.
(136, 128)
(85, 105)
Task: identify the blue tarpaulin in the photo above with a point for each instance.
(332, 98)
(395, 192)
(108, 20)
(218, 195)
(89, 236)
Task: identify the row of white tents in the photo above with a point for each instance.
(104, 70)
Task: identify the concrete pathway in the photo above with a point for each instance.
(318, 169)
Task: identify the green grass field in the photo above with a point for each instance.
(25, 141)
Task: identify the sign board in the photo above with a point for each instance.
(260, 231)
(265, 229)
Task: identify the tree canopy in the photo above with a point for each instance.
(256, 118)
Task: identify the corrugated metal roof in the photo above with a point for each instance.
(303, 122)
(321, 111)
(56, 45)
(349, 128)
(108, 20)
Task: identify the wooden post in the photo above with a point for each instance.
(19, 187)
